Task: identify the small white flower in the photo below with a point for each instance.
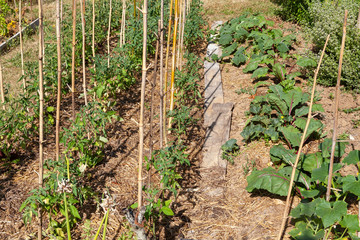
(64, 186)
(108, 202)
(82, 167)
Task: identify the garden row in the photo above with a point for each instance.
(281, 116)
(83, 139)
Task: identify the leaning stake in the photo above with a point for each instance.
(73, 60)
(82, 7)
(58, 41)
(41, 110)
(21, 48)
(161, 72)
(336, 110)
(2, 89)
(108, 35)
(287, 205)
(141, 122)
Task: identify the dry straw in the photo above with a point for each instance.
(287, 205)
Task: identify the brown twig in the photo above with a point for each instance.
(161, 74)
(82, 8)
(287, 205)
(73, 60)
(336, 110)
(2, 89)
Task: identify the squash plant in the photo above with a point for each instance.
(281, 115)
(313, 214)
(247, 39)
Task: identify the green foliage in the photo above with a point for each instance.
(5, 10)
(327, 18)
(295, 10)
(230, 149)
(86, 136)
(249, 40)
(194, 24)
(279, 115)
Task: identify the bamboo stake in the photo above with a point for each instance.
(358, 21)
(173, 66)
(166, 68)
(180, 30)
(21, 48)
(93, 31)
(141, 122)
(161, 73)
(287, 205)
(122, 28)
(58, 40)
(336, 110)
(41, 110)
(152, 95)
(82, 6)
(73, 60)
(108, 36)
(182, 35)
(2, 89)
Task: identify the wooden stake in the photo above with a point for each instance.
(152, 95)
(287, 205)
(182, 35)
(167, 67)
(21, 48)
(336, 110)
(93, 31)
(58, 41)
(122, 28)
(142, 103)
(108, 36)
(82, 6)
(2, 89)
(41, 110)
(180, 30)
(358, 21)
(161, 73)
(173, 66)
(73, 60)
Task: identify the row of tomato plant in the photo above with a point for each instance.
(65, 189)
(280, 116)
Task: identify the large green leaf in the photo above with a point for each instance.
(260, 72)
(282, 47)
(299, 176)
(331, 212)
(251, 66)
(239, 57)
(303, 232)
(351, 222)
(279, 71)
(325, 148)
(306, 62)
(351, 184)
(314, 126)
(240, 34)
(311, 161)
(277, 103)
(321, 173)
(305, 208)
(292, 135)
(225, 39)
(229, 50)
(352, 158)
(268, 179)
(278, 153)
(292, 99)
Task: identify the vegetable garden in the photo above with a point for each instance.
(101, 136)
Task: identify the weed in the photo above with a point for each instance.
(230, 150)
(248, 166)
